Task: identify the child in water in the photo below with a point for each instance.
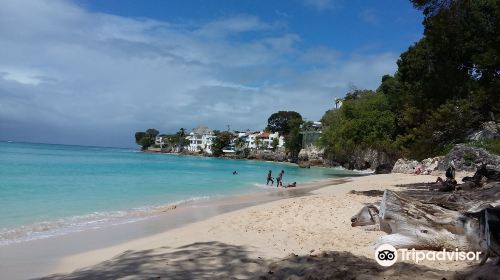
(270, 178)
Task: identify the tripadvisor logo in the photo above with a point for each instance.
(387, 255)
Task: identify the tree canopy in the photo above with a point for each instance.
(223, 140)
(281, 121)
(144, 140)
(446, 84)
(364, 120)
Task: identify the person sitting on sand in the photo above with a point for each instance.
(270, 178)
(444, 186)
(450, 172)
(418, 170)
(279, 179)
(292, 185)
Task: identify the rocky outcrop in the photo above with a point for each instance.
(489, 130)
(373, 159)
(311, 156)
(405, 166)
(409, 166)
(467, 158)
(268, 155)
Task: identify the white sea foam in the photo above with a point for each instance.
(79, 223)
(261, 186)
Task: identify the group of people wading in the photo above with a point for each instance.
(279, 180)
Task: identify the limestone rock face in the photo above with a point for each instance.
(431, 163)
(466, 158)
(311, 155)
(405, 166)
(370, 159)
(409, 166)
(268, 155)
(489, 130)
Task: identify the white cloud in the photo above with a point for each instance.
(320, 4)
(70, 75)
(28, 77)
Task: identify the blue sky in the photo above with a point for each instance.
(94, 72)
(346, 25)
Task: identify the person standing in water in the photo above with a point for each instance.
(270, 178)
(279, 179)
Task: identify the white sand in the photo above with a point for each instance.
(261, 234)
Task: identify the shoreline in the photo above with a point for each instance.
(309, 164)
(78, 223)
(60, 224)
(16, 257)
(288, 233)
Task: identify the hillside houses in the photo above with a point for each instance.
(201, 140)
(263, 140)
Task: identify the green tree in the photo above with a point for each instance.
(275, 143)
(280, 121)
(258, 143)
(222, 140)
(152, 133)
(138, 136)
(180, 138)
(293, 140)
(365, 121)
(239, 143)
(144, 140)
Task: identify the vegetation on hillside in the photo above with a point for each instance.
(287, 124)
(222, 141)
(492, 146)
(446, 84)
(146, 139)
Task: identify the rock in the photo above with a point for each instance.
(489, 130)
(310, 156)
(268, 155)
(383, 169)
(431, 164)
(467, 158)
(405, 166)
(369, 159)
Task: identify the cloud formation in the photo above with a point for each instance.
(74, 76)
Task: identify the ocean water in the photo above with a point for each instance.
(47, 190)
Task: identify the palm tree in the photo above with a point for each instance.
(239, 143)
(258, 142)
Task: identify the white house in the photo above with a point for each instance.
(201, 139)
(263, 140)
(159, 140)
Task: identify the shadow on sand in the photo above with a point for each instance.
(214, 260)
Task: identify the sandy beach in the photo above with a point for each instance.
(307, 236)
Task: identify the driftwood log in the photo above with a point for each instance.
(413, 224)
(472, 201)
(469, 221)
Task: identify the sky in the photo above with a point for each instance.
(94, 72)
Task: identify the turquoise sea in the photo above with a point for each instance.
(48, 190)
